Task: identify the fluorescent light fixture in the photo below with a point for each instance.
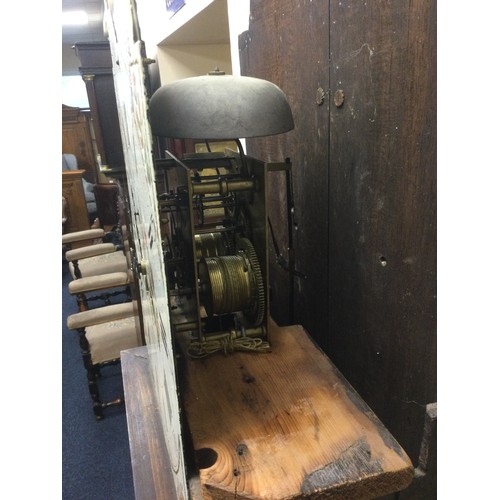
(76, 17)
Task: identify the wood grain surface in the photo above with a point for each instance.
(151, 466)
(364, 178)
(286, 424)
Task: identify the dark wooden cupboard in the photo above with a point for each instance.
(74, 205)
(361, 81)
(77, 139)
(97, 73)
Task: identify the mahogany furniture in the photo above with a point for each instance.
(77, 218)
(77, 139)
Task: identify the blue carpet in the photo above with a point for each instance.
(95, 454)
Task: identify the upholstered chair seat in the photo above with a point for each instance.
(98, 266)
(102, 288)
(105, 332)
(86, 235)
(97, 259)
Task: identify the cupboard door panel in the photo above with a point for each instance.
(364, 177)
(77, 140)
(382, 251)
(287, 43)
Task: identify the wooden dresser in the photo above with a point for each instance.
(77, 218)
(77, 140)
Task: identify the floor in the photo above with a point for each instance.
(95, 455)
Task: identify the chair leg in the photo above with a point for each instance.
(91, 375)
(93, 372)
(76, 270)
(82, 302)
(105, 404)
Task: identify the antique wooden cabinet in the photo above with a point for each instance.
(96, 71)
(77, 139)
(75, 211)
(361, 80)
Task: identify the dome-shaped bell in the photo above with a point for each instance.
(219, 107)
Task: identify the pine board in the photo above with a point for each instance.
(286, 424)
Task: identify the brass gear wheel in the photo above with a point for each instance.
(255, 313)
(233, 283)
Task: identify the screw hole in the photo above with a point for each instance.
(205, 457)
(383, 261)
(241, 449)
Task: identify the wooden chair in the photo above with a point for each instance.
(103, 333)
(96, 260)
(101, 269)
(88, 254)
(101, 289)
(107, 199)
(76, 239)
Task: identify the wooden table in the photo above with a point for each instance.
(284, 424)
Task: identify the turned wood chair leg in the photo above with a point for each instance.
(76, 270)
(103, 333)
(82, 302)
(91, 375)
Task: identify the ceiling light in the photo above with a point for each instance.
(76, 17)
